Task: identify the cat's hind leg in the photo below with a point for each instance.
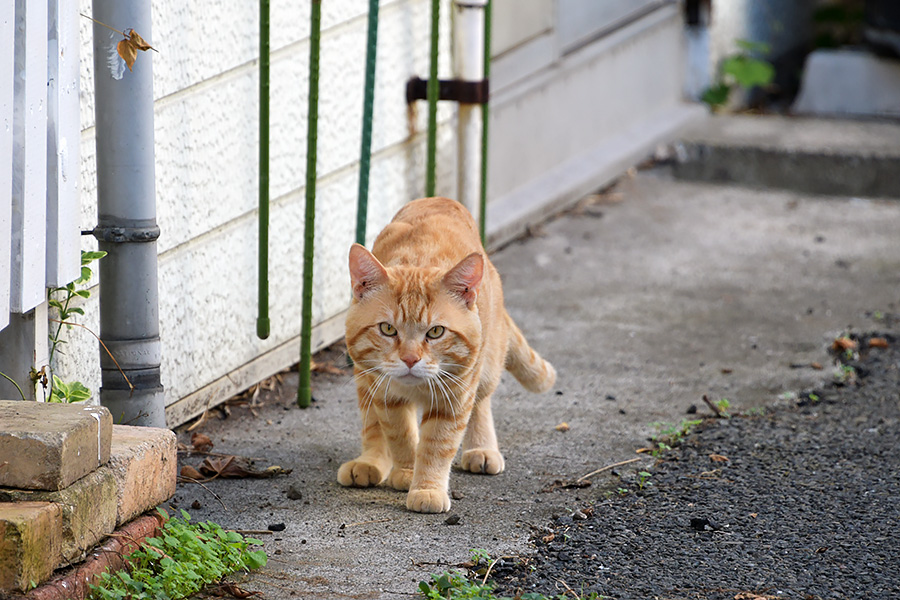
(372, 466)
(481, 454)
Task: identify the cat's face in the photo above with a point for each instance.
(413, 326)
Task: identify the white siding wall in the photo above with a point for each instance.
(205, 83)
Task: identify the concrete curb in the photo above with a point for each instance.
(828, 157)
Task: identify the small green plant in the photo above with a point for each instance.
(182, 559)
(741, 69)
(669, 435)
(844, 373)
(479, 554)
(643, 479)
(61, 299)
(723, 405)
(453, 586)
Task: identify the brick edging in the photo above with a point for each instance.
(74, 583)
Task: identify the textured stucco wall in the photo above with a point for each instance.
(206, 124)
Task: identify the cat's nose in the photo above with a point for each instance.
(410, 360)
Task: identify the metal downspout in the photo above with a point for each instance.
(126, 220)
(468, 62)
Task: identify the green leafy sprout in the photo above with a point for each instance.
(669, 435)
(453, 586)
(741, 69)
(180, 561)
(61, 299)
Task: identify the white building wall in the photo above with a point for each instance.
(206, 124)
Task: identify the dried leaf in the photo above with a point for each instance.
(562, 426)
(138, 41)
(548, 538)
(718, 458)
(237, 467)
(190, 472)
(227, 588)
(326, 368)
(128, 48)
(201, 442)
(816, 365)
(128, 52)
(844, 343)
(878, 342)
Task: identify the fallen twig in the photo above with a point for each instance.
(200, 483)
(607, 468)
(716, 410)
(346, 525)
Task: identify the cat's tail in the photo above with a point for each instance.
(533, 372)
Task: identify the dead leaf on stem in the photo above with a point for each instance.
(128, 48)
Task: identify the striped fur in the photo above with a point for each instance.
(429, 338)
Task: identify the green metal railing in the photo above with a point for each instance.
(365, 152)
(433, 93)
(304, 391)
(482, 208)
(262, 320)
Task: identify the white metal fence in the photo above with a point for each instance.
(39, 151)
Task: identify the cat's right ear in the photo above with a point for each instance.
(366, 273)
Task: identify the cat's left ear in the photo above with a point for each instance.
(463, 279)
(366, 273)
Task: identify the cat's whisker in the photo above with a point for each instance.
(445, 392)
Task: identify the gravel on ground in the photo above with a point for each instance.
(799, 500)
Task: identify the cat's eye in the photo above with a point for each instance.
(388, 329)
(435, 332)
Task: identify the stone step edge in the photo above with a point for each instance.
(74, 583)
(829, 173)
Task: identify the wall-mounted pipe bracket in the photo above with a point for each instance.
(464, 92)
(124, 235)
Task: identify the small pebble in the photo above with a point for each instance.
(452, 520)
(276, 526)
(294, 492)
(196, 505)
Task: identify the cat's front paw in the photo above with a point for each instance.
(482, 460)
(399, 479)
(360, 473)
(428, 501)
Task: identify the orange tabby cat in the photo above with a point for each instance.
(427, 331)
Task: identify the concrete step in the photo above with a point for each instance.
(808, 155)
(41, 530)
(49, 446)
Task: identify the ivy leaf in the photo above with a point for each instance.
(128, 48)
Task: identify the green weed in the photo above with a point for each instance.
(180, 561)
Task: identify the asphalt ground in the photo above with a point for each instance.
(800, 499)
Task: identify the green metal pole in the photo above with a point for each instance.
(262, 320)
(304, 391)
(433, 91)
(484, 121)
(365, 154)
